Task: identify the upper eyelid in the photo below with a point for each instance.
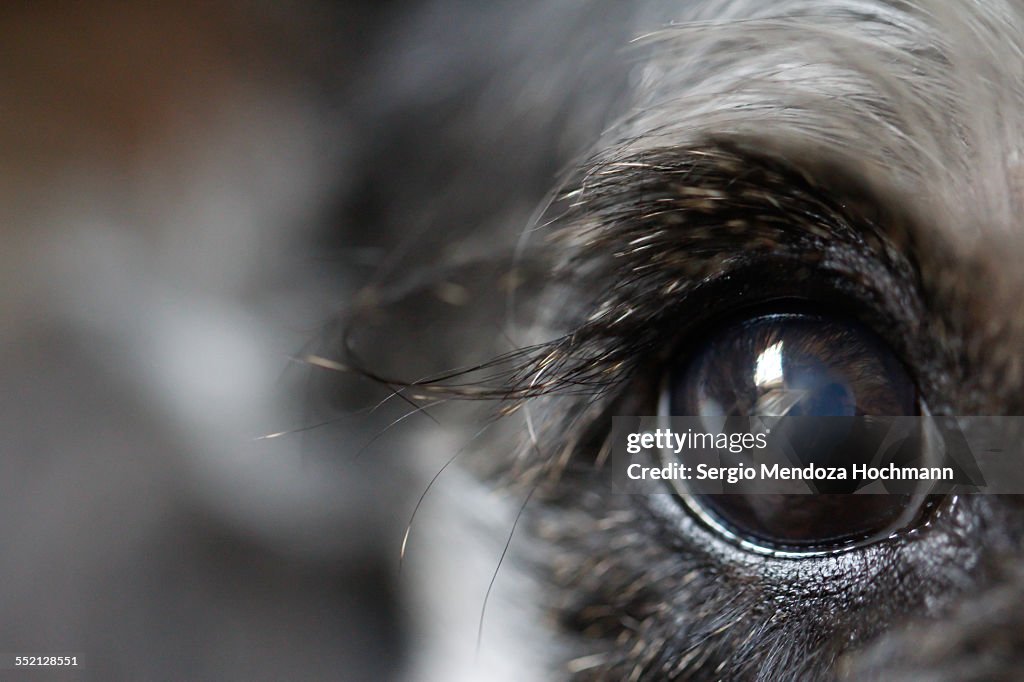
(642, 232)
(634, 248)
(647, 229)
(711, 184)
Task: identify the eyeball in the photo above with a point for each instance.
(789, 364)
(795, 364)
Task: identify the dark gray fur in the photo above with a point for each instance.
(871, 145)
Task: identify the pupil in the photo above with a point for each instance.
(832, 400)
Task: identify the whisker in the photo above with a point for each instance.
(501, 560)
(430, 485)
(418, 410)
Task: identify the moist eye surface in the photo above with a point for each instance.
(792, 364)
(798, 365)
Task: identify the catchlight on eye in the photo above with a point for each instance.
(795, 365)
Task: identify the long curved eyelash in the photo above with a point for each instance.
(647, 250)
(642, 237)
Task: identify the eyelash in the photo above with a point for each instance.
(637, 281)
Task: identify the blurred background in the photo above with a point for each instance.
(171, 177)
(190, 193)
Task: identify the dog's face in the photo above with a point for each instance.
(578, 210)
(860, 160)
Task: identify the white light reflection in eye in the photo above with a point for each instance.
(768, 367)
(775, 398)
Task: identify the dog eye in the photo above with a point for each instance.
(796, 364)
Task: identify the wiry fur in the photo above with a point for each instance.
(864, 149)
